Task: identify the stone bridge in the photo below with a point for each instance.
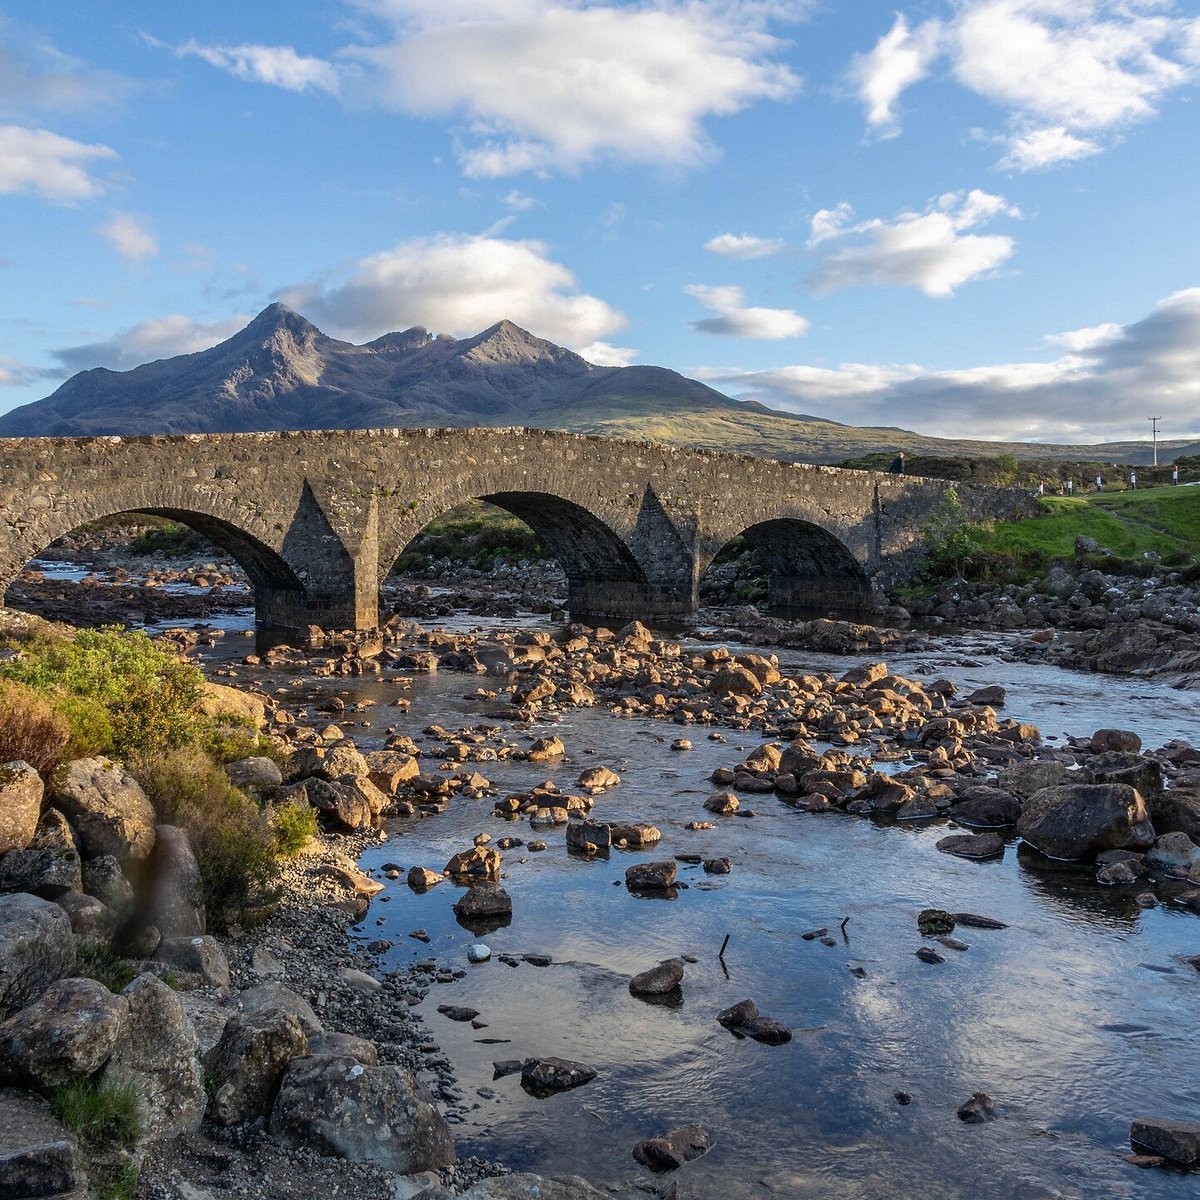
(317, 519)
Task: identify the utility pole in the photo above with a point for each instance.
(1154, 435)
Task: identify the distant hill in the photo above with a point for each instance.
(282, 372)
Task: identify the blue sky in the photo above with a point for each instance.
(967, 217)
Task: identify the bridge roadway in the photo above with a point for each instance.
(317, 518)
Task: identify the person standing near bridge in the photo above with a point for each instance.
(897, 467)
(1133, 481)
(1175, 475)
(1099, 482)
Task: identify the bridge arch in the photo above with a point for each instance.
(808, 567)
(277, 589)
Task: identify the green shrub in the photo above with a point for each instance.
(102, 1114)
(122, 693)
(293, 825)
(169, 539)
(96, 959)
(232, 837)
(31, 729)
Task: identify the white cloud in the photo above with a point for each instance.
(899, 59)
(738, 321)
(555, 85)
(604, 355)
(743, 246)
(519, 202)
(126, 234)
(163, 337)
(1100, 390)
(17, 374)
(1064, 71)
(37, 162)
(277, 65)
(1036, 149)
(36, 77)
(457, 284)
(931, 250)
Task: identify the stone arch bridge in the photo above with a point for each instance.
(318, 518)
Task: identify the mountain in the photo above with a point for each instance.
(282, 372)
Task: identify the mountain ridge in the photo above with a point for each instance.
(280, 371)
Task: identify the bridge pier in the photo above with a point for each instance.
(619, 601)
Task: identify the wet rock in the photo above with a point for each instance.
(543, 1076)
(744, 1020)
(722, 803)
(1026, 778)
(382, 1115)
(67, 1033)
(545, 749)
(1119, 874)
(248, 1062)
(986, 808)
(636, 836)
(598, 779)
(933, 921)
(483, 901)
(1078, 820)
(977, 846)
(479, 953)
(717, 866)
(106, 807)
(457, 1012)
(1122, 740)
(174, 903)
(978, 1109)
(734, 680)
(649, 877)
(927, 954)
(421, 879)
(1173, 851)
(657, 981)
(157, 1053)
(588, 836)
(975, 921)
(533, 1187)
(1176, 1141)
(669, 1151)
(21, 792)
(992, 695)
(480, 862)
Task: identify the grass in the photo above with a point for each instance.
(106, 1116)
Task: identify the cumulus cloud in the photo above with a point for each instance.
(129, 237)
(605, 355)
(736, 320)
(549, 85)
(743, 246)
(163, 337)
(1065, 71)
(1101, 389)
(932, 250)
(457, 284)
(36, 162)
(281, 66)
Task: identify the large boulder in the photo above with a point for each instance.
(274, 996)
(67, 1033)
(36, 946)
(200, 957)
(38, 1157)
(986, 808)
(217, 700)
(327, 762)
(1025, 778)
(248, 1062)
(45, 873)
(334, 1105)
(338, 806)
(733, 680)
(258, 773)
(1079, 820)
(533, 1187)
(21, 792)
(106, 807)
(158, 1054)
(174, 894)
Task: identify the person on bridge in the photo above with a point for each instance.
(897, 467)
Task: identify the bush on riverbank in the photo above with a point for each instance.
(31, 729)
(475, 533)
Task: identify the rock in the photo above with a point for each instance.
(360, 981)
(200, 955)
(1177, 1141)
(480, 862)
(257, 773)
(992, 695)
(1025, 778)
(335, 764)
(248, 1062)
(275, 996)
(390, 769)
(45, 873)
(339, 806)
(479, 953)
(106, 807)
(588, 836)
(717, 866)
(158, 1052)
(648, 877)
(734, 680)
(175, 892)
(482, 901)
(542, 1076)
(381, 1115)
(986, 808)
(1119, 874)
(458, 1012)
(67, 1033)
(744, 1020)
(104, 879)
(1173, 851)
(349, 879)
(1122, 740)
(977, 846)
(217, 700)
(934, 921)
(927, 954)
(657, 981)
(978, 1109)
(36, 946)
(533, 1187)
(1174, 811)
(1074, 821)
(421, 879)
(533, 692)
(598, 779)
(722, 803)
(669, 1151)
(636, 836)
(545, 749)
(90, 918)
(21, 792)
(38, 1157)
